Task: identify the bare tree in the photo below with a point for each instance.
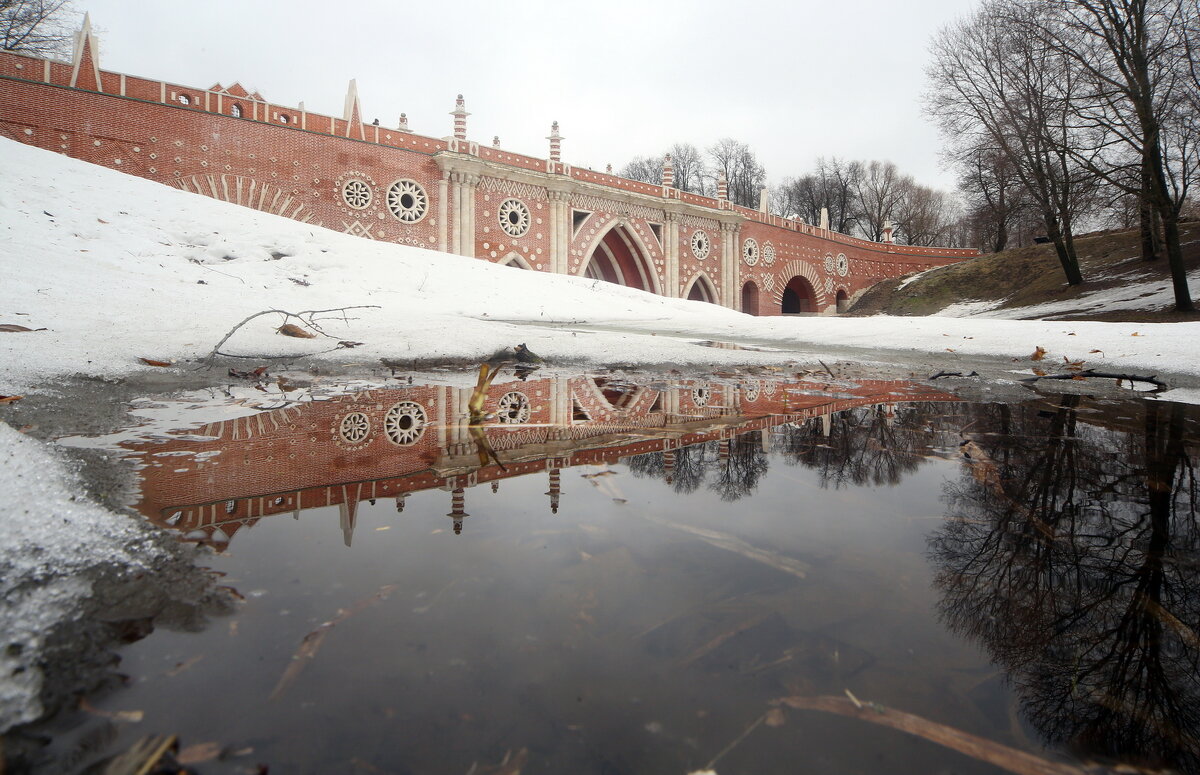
(880, 190)
(39, 27)
(995, 199)
(1135, 58)
(992, 84)
(691, 174)
(647, 169)
(925, 216)
(745, 176)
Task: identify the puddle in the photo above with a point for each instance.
(604, 575)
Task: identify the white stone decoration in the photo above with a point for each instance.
(829, 268)
(354, 428)
(768, 254)
(701, 395)
(828, 285)
(404, 424)
(750, 251)
(751, 391)
(700, 244)
(513, 408)
(843, 265)
(768, 283)
(407, 200)
(768, 388)
(514, 217)
(356, 194)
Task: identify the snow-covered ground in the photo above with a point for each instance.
(116, 268)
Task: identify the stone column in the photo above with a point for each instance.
(560, 231)
(462, 201)
(443, 211)
(671, 254)
(456, 212)
(730, 263)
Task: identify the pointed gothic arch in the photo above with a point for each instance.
(515, 260)
(750, 298)
(619, 256)
(702, 289)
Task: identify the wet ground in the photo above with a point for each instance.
(602, 574)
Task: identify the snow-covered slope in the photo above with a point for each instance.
(116, 268)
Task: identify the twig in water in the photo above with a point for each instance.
(1152, 379)
(307, 317)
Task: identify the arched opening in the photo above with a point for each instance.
(843, 300)
(236, 110)
(618, 259)
(750, 298)
(702, 290)
(799, 296)
(516, 261)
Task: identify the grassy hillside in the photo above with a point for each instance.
(1117, 285)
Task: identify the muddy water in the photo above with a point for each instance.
(602, 576)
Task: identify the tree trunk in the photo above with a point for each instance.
(1151, 242)
(1183, 297)
(1065, 247)
(1001, 236)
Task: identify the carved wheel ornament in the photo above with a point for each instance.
(751, 391)
(354, 428)
(407, 201)
(514, 408)
(701, 395)
(404, 424)
(750, 251)
(356, 194)
(843, 265)
(768, 254)
(700, 244)
(829, 268)
(514, 217)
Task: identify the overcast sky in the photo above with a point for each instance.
(794, 80)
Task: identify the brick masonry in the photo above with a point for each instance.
(448, 194)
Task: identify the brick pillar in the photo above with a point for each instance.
(668, 172)
(555, 489)
(671, 254)
(723, 187)
(457, 509)
(555, 143)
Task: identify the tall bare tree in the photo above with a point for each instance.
(745, 176)
(691, 173)
(880, 190)
(647, 169)
(39, 27)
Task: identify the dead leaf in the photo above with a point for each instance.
(13, 328)
(9, 399)
(200, 752)
(1135, 333)
(348, 344)
(101, 220)
(949, 349)
(1078, 377)
(1038, 372)
(291, 329)
(1038, 354)
(775, 717)
(152, 362)
(1091, 352)
(132, 716)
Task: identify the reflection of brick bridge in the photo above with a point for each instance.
(451, 194)
(389, 442)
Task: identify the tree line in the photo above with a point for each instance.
(860, 197)
(1075, 111)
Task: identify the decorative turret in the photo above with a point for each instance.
(400, 499)
(825, 218)
(460, 118)
(353, 112)
(608, 168)
(457, 509)
(85, 71)
(555, 143)
(669, 465)
(403, 126)
(668, 172)
(723, 187)
(496, 141)
(555, 489)
(888, 232)
(764, 200)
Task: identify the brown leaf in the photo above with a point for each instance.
(9, 399)
(1078, 376)
(200, 752)
(13, 328)
(101, 220)
(152, 362)
(1135, 333)
(1038, 354)
(291, 329)
(1039, 372)
(1095, 351)
(775, 717)
(949, 349)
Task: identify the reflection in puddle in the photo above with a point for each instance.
(601, 575)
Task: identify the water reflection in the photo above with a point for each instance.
(388, 443)
(1070, 551)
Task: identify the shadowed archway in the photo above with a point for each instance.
(750, 298)
(799, 296)
(702, 289)
(619, 258)
(843, 300)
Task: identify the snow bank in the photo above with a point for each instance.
(116, 268)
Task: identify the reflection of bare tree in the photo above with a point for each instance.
(870, 445)
(1071, 551)
(736, 468)
(740, 467)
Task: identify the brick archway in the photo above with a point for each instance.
(619, 257)
(798, 296)
(750, 298)
(702, 289)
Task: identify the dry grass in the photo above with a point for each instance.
(1028, 276)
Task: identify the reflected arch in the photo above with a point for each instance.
(702, 289)
(798, 296)
(750, 298)
(618, 256)
(843, 300)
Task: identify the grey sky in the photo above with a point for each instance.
(793, 80)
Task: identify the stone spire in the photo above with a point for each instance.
(403, 126)
(457, 509)
(888, 232)
(85, 71)
(555, 143)
(353, 112)
(555, 489)
(723, 187)
(764, 200)
(668, 172)
(825, 218)
(460, 118)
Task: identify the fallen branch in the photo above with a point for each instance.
(307, 318)
(998, 754)
(941, 374)
(1152, 380)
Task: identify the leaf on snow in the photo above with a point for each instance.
(9, 399)
(291, 329)
(1038, 354)
(13, 328)
(152, 362)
